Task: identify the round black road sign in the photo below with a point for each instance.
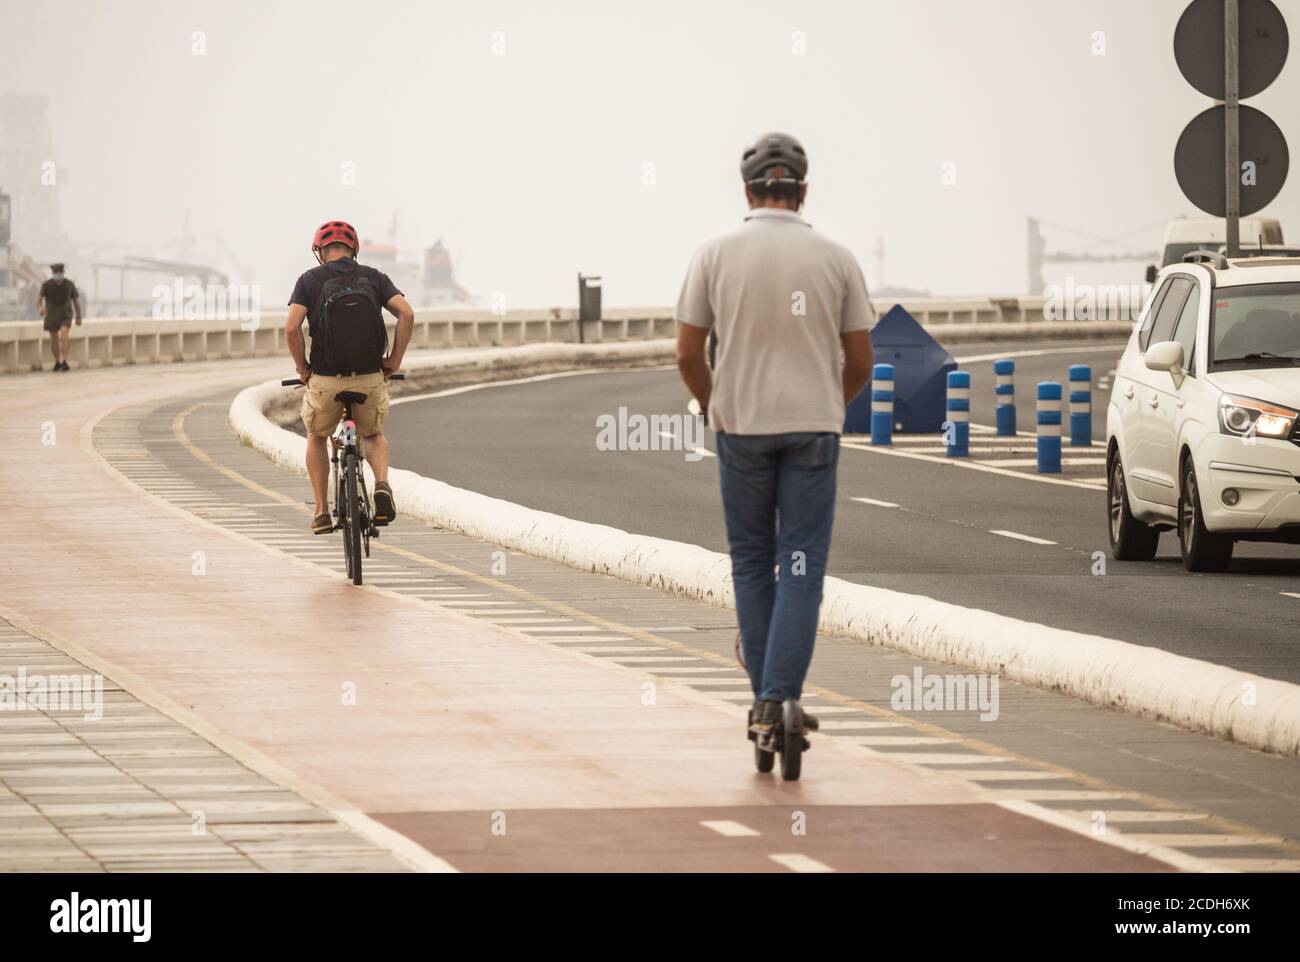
(1198, 45)
(1198, 161)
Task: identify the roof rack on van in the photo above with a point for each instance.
(1214, 258)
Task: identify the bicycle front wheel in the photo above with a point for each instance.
(352, 508)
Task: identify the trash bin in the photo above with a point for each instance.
(589, 288)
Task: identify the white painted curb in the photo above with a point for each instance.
(1249, 709)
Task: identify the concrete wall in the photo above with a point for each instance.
(104, 341)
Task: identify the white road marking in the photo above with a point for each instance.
(640, 659)
(522, 621)
(1258, 864)
(801, 863)
(1032, 462)
(1204, 841)
(969, 465)
(730, 829)
(660, 627)
(1059, 795)
(1045, 352)
(1290, 594)
(568, 629)
(942, 758)
(1087, 814)
(466, 388)
(901, 740)
(1022, 537)
(878, 504)
(1003, 776)
(1166, 854)
(717, 681)
(447, 603)
(586, 639)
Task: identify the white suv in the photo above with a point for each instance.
(1202, 430)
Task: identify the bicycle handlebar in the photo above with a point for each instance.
(297, 382)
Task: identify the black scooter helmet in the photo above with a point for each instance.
(774, 158)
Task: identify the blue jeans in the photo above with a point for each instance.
(778, 496)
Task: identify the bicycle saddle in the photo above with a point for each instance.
(350, 397)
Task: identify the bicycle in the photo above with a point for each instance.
(353, 511)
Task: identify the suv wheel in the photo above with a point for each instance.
(1202, 550)
(1130, 539)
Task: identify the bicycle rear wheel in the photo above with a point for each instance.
(354, 514)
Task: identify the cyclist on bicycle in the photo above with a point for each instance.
(341, 302)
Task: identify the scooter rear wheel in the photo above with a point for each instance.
(792, 741)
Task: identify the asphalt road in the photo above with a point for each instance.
(943, 531)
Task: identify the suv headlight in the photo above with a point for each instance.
(1244, 416)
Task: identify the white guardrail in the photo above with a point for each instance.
(105, 341)
(1260, 712)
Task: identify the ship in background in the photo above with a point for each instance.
(427, 282)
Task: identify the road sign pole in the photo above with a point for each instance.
(1232, 122)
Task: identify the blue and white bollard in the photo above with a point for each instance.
(882, 404)
(958, 414)
(1080, 406)
(1049, 427)
(1005, 389)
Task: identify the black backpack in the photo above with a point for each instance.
(58, 293)
(350, 334)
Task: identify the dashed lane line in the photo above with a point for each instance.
(1017, 536)
(730, 829)
(800, 863)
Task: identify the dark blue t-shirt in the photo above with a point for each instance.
(307, 291)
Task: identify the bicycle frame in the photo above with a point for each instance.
(353, 513)
(346, 441)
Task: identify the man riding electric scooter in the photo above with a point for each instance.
(785, 301)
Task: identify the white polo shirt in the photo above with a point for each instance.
(780, 295)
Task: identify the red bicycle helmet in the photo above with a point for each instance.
(335, 232)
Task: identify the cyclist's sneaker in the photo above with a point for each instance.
(385, 508)
(322, 524)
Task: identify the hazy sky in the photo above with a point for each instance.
(521, 131)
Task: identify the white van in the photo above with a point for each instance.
(1209, 234)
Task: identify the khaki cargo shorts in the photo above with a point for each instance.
(321, 413)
